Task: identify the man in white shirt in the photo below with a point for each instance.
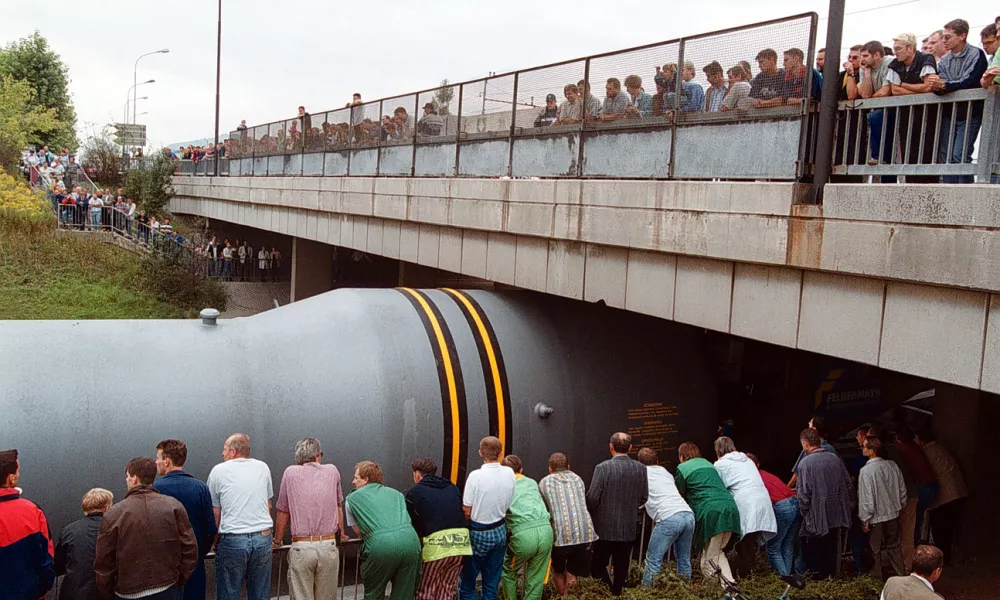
(488, 494)
(241, 492)
(672, 517)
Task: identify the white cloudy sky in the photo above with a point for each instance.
(279, 54)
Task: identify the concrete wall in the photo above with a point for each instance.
(903, 277)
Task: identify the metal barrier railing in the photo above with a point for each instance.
(953, 136)
(506, 125)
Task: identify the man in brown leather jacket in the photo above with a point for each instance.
(145, 547)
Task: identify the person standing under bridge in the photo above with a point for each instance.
(617, 491)
(716, 517)
(566, 496)
(530, 542)
(241, 492)
(197, 500)
(26, 570)
(488, 494)
(74, 556)
(312, 500)
(145, 546)
(435, 507)
(391, 549)
(744, 482)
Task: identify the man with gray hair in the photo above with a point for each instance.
(312, 499)
(241, 492)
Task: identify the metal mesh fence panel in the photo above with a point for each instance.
(755, 71)
(438, 110)
(275, 138)
(398, 121)
(631, 88)
(315, 132)
(261, 141)
(486, 107)
(337, 130)
(365, 125)
(544, 95)
(234, 149)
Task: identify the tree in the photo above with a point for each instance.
(30, 59)
(443, 96)
(19, 120)
(102, 158)
(149, 184)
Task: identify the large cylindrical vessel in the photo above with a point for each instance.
(388, 375)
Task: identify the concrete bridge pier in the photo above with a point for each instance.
(312, 268)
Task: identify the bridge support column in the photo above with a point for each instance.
(312, 268)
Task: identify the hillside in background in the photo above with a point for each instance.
(48, 276)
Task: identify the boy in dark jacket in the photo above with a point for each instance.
(435, 507)
(75, 549)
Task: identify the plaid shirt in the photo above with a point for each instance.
(566, 497)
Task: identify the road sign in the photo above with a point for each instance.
(127, 134)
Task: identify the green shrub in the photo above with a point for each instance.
(179, 278)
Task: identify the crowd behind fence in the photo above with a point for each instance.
(651, 111)
(733, 104)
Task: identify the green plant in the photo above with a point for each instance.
(763, 584)
(149, 183)
(179, 277)
(31, 60)
(103, 158)
(21, 120)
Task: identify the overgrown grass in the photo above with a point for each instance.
(762, 585)
(45, 277)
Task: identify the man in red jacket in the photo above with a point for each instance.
(26, 570)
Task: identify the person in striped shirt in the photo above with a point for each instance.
(565, 495)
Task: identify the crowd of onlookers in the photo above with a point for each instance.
(944, 62)
(437, 539)
(198, 153)
(240, 261)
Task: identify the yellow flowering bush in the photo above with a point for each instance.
(20, 205)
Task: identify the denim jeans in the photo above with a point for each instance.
(877, 119)
(95, 218)
(488, 549)
(243, 558)
(959, 154)
(677, 532)
(927, 496)
(781, 548)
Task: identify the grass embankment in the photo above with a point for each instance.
(762, 585)
(47, 277)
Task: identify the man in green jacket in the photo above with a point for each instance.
(530, 544)
(390, 550)
(717, 519)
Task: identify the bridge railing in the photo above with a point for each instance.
(498, 126)
(920, 136)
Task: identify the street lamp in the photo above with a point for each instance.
(218, 72)
(133, 108)
(135, 71)
(133, 99)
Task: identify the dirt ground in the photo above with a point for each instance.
(973, 579)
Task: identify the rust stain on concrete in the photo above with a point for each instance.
(805, 236)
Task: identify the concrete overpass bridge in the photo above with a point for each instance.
(905, 277)
(704, 218)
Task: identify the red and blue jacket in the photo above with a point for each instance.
(26, 570)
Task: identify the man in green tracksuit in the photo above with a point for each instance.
(530, 544)
(391, 549)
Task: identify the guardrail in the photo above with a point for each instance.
(502, 125)
(920, 136)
